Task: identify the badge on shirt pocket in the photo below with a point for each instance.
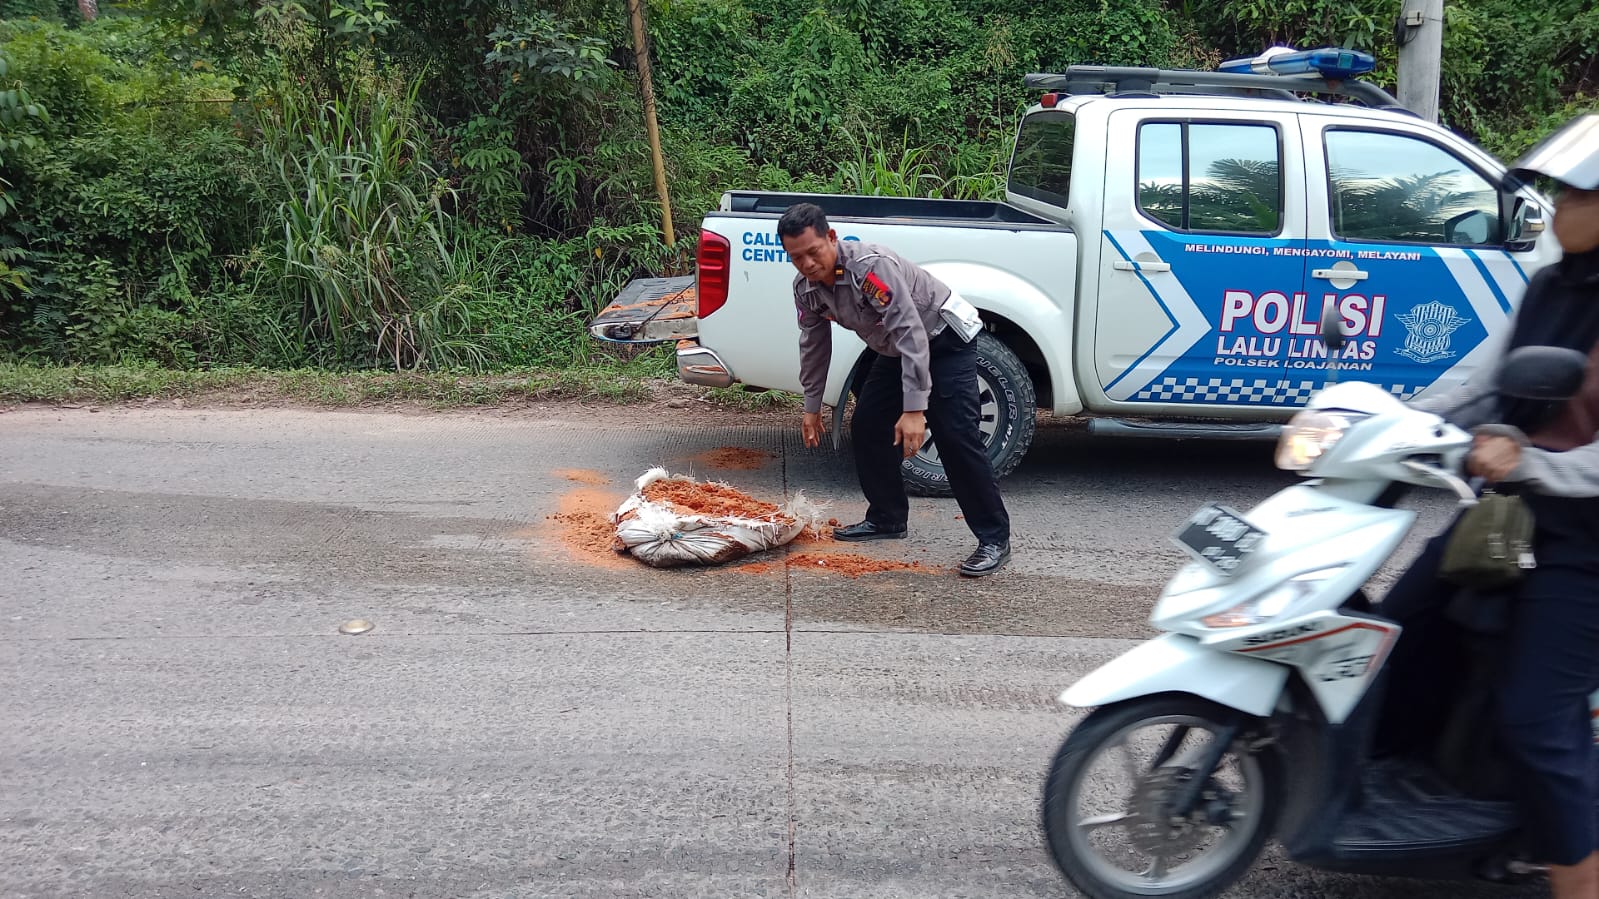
(876, 290)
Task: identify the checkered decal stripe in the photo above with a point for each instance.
(1257, 391)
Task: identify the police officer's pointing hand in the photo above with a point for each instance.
(910, 432)
(812, 427)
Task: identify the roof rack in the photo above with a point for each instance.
(1080, 80)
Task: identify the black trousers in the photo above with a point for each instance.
(1548, 670)
(952, 416)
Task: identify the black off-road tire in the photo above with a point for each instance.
(1005, 392)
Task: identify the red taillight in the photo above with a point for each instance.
(1048, 101)
(715, 256)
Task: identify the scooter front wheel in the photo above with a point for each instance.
(1109, 810)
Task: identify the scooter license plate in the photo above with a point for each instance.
(1220, 537)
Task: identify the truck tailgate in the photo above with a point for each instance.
(649, 310)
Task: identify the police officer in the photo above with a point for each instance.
(921, 372)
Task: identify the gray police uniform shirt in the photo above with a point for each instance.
(892, 303)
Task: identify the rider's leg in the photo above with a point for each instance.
(1425, 664)
(1579, 881)
(1551, 668)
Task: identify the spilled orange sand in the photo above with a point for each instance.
(850, 565)
(709, 499)
(582, 523)
(733, 458)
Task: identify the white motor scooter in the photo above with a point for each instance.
(1252, 715)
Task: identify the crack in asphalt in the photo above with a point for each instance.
(791, 878)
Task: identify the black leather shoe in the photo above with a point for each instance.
(989, 558)
(855, 533)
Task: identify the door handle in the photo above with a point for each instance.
(1124, 265)
(1339, 274)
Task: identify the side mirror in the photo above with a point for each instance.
(1474, 228)
(1332, 326)
(1526, 223)
(1549, 373)
(1531, 219)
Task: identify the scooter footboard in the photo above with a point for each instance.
(1176, 663)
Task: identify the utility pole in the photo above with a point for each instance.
(1421, 25)
(641, 50)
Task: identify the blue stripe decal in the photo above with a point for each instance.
(1172, 320)
(1482, 269)
(1519, 270)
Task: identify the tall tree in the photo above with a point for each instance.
(90, 9)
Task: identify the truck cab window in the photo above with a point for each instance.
(1398, 189)
(1211, 178)
(1041, 167)
(1160, 172)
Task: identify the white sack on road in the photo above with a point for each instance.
(658, 534)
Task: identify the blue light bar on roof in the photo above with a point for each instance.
(1332, 63)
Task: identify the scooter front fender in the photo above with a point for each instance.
(1177, 663)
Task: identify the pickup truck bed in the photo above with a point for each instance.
(926, 212)
(655, 310)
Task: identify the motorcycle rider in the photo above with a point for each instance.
(1551, 457)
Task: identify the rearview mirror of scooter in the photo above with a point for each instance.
(1332, 335)
(1547, 373)
(1332, 325)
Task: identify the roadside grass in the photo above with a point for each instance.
(738, 397)
(621, 381)
(617, 383)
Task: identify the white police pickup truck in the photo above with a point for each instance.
(1162, 259)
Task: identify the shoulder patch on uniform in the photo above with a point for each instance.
(876, 290)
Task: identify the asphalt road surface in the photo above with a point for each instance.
(530, 715)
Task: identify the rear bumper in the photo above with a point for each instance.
(700, 365)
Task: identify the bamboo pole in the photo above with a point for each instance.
(641, 50)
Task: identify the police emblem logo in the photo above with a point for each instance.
(1430, 326)
(876, 290)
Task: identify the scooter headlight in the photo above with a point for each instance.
(1272, 603)
(1309, 435)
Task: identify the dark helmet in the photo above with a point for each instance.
(1570, 156)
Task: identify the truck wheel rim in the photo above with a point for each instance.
(1105, 840)
(988, 416)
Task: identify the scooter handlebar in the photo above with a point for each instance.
(1463, 490)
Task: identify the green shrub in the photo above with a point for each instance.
(138, 173)
(530, 300)
(422, 185)
(48, 10)
(356, 241)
